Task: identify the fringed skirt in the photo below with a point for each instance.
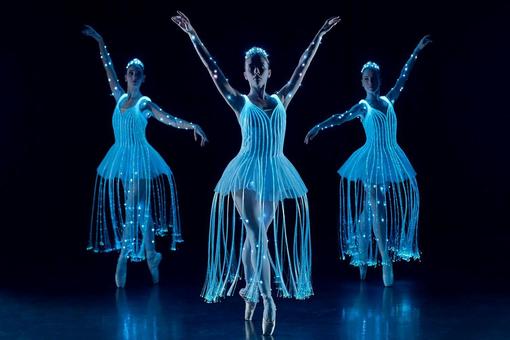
(135, 198)
(275, 191)
(379, 208)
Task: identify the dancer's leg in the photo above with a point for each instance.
(380, 223)
(257, 216)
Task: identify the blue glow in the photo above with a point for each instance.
(379, 164)
(140, 317)
(386, 314)
(370, 65)
(132, 177)
(135, 62)
(260, 173)
(256, 51)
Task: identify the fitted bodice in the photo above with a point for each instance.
(263, 133)
(380, 127)
(129, 125)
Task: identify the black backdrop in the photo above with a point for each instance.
(56, 120)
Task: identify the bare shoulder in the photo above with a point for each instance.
(236, 102)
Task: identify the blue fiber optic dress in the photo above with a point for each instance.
(378, 188)
(134, 190)
(261, 169)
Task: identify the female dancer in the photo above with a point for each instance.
(135, 196)
(256, 182)
(379, 199)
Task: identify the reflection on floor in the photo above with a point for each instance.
(339, 310)
(380, 313)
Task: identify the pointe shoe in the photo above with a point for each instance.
(153, 263)
(269, 316)
(363, 272)
(387, 274)
(249, 307)
(121, 272)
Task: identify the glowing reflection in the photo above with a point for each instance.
(139, 315)
(251, 334)
(383, 313)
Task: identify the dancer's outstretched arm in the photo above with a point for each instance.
(168, 119)
(231, 95)
(288, 91)
(358, 110)
(404, 74)
(113, 81)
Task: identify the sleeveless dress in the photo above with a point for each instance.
(260, 169)
(378, 188)
(134, 190)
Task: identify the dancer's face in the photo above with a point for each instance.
(134, 76)
(370, 80)
(256, 71)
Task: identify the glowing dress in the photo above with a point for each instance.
(262, 168)
(134, 189)
(378, 174)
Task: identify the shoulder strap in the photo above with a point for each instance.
(363, 101)
(121, 98)
(144, 98)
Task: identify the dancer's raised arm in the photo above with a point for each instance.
(287, 92)
(113, 81)
(404, 73)
(358, 110)
(231, 95)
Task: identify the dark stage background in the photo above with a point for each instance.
(56, 124)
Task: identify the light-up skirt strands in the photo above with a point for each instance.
(134, 190)
(379, 197)
(260, 170)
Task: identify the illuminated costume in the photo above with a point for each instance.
(378, 176)
(261, 168)
(134, 190)
(379, 197)
(261, 186)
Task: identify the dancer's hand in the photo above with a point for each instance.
(90, 32)
(197, 130)
(423, 42)
(183, 22)
(311, 134)
(329, 24)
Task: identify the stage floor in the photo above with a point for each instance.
(414, 308)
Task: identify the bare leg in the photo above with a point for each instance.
(144, 219)
(121, 271)
(152, 256)
(148, 239)
(247, 263)
(268, 211)
(243, 202)
(252, 212)
(255, 246)
(377, 199)
(269, 315)
(138, 215)
(130, 192)
(364, 237)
